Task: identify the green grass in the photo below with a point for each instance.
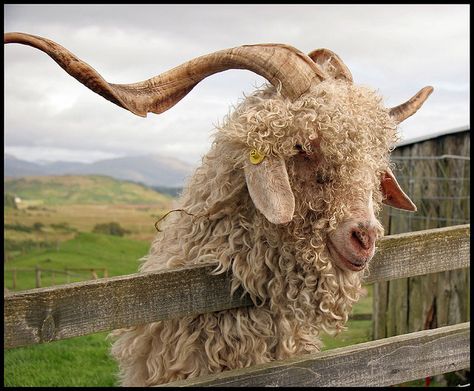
(87, 250)
(82, 361)
(358, 331)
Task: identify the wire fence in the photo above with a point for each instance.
(440, 188)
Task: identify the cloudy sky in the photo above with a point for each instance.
(396, 49)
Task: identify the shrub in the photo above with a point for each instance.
(18, 227)
(110, 229)
(63, 227)
(9, 201)
(27, 245)
(38, 226)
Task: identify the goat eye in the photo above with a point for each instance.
(299, 148)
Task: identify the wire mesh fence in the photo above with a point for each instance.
(440, 188)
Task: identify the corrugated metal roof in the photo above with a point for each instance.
(465, 128)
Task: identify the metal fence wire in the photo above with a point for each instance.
(439, 187)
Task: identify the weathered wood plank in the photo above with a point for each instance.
(421, 252)
(396, 321)
(65, 311)
(383, 362)
(416, 312)
(54, 313)
(379, 306)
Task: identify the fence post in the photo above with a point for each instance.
(14, 278)
(106, 273)
(38, 276)
(68, 279)
(94, 274)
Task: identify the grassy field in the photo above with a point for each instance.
(64, 205)
(87, 250)
(82, 361)
(61, 222)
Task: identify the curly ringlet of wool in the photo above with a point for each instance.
(286, 269)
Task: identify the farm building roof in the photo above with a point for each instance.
(465, 128)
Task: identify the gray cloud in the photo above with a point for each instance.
(396, 49)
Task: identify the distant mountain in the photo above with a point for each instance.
(151, 170)
(17, 167)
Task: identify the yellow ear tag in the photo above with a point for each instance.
(256, 157)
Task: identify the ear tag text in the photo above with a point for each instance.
(256, 157)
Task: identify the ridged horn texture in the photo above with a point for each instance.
(410, 107)
(331, 63)
(281, 65)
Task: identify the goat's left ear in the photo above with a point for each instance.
(393, 193)
(270, 190)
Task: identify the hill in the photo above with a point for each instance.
(74, 189)
(152, 170)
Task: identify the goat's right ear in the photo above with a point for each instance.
(270, 190)
(393, 194)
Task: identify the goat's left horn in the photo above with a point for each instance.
(281, 65)
(410, 107)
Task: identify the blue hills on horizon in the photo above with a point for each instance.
(150, 170)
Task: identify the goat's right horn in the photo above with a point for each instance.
(279, 64)
(410, 107)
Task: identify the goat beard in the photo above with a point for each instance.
(317, 292)
(295, 276)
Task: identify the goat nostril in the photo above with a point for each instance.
(361, 238)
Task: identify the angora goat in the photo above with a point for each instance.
(286, 199)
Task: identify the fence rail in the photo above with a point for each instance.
(54, 313)
(383, 362)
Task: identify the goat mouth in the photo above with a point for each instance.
(353, 265)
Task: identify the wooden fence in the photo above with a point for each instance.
(55, 313)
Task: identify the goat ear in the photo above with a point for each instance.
(393, 193)
(270, 190)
